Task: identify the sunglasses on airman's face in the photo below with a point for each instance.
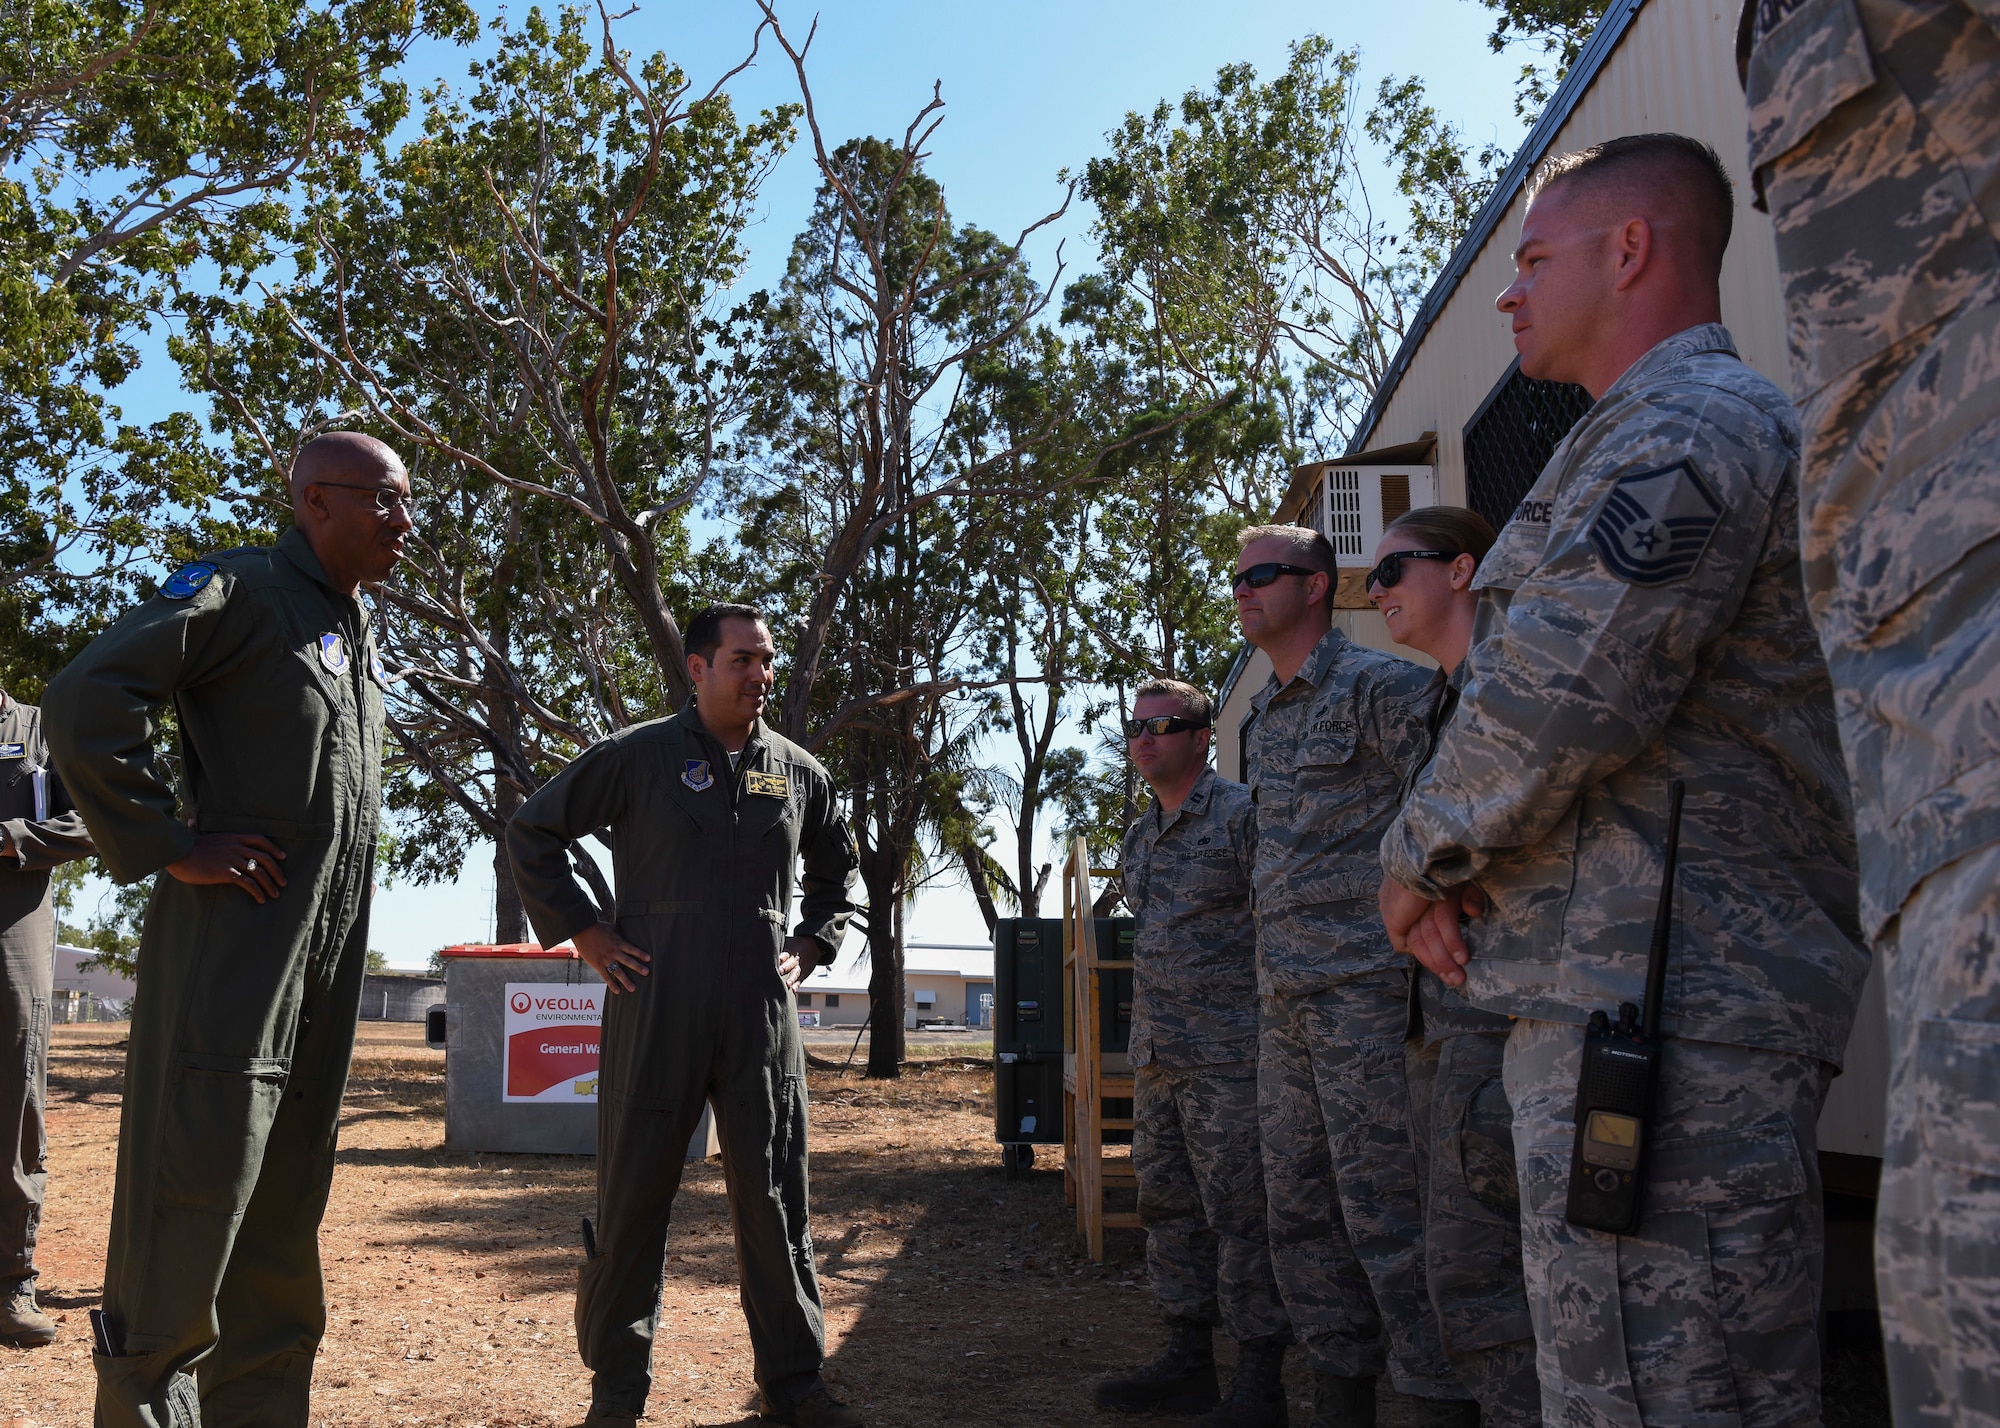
(1391, 569)
(1161, 724)
(1263, 573)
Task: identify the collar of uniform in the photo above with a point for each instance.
(1312, 671)
(1688, 342)
(6, 702)
(690, 718)
(294, 546)
(1194, 805)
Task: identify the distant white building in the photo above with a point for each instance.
(949, 982)
(83, 987)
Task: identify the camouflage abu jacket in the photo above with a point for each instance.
(1194, 957)
(1325, 760)
(1641, 619)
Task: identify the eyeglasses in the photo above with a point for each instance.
(1262, 574)
(1162, 724)
(1391, 569)
(387, 502)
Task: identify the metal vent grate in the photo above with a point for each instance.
(1511, 438)
(1343, 512)
(1395, 496)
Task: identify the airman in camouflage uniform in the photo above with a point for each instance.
(1325, 758)
(1875, 143)
(1186, 878)
(1640, 621)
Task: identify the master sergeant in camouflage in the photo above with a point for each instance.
(1186, 870)
(1338, 731)
(1875, 142)
(1641, 621)
(255, 941)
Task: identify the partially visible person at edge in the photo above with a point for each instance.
(40, 829)
(1875, 143)
(709, 813)
(1185, 871)
(1460, 1124)
(1640, 621)
(254, 943)
(1338, 731)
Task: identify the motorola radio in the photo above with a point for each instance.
(1621, 1068)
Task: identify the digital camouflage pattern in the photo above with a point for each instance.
(1341, 1180)
(244, 1020)
(1708, 1313)
(1596, 678)
(1463, 1132)
(1325, 759)
(1186, 878)
(1875, 140)
(1201, 1196)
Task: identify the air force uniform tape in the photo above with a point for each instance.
(188, 581)
(1654, 526)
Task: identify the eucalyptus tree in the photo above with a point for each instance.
(530, 299)
(145, 146)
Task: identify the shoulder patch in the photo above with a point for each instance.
(189, 581)
(1655, 525)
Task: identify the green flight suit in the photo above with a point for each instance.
(44, 830)
(704, 861)
(245, 1013)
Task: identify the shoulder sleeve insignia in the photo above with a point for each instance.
(189, 581)
(333, 652)
(695, 774)
(1655, 525)
(767, 785)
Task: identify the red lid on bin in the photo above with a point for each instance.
(506, 949)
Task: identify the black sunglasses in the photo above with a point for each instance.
(1391, 569)
(1162, 724)
(1262, 574)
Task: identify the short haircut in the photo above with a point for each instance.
(1305, 546)
(1666, 171)
(1195, 703)
(1454, 529)
(704, 632)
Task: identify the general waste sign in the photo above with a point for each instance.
(552, 1032)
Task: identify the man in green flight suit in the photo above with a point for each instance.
(254, 945)
(708, 811)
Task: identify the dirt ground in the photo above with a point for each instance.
(954, 1295)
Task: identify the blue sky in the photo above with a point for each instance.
(1030, 89)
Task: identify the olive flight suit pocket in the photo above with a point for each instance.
(215, 1127)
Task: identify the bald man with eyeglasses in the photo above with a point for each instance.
(255, 941)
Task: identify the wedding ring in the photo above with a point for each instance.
(253, 865)
(235, 872)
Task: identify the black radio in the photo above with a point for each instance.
(1615, 1090)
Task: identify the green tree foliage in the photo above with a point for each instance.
(525, 300)
(140, 143)
(1553, 30)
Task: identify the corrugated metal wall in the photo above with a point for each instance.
(1676, 70)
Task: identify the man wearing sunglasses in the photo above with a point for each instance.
(1338, 731)
(255, 942)
(1186, 870)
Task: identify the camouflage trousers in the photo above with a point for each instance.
(1463, 1133)
(1346, 1228)
(1937, 1231)
(1201, 1196)
(1708, 1314)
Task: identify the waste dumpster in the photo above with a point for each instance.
(519, 1027)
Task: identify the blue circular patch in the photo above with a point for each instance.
(188, 581)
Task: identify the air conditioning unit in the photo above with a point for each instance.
(1350, 506)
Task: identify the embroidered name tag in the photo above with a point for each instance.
(768, 785)
(13, 751)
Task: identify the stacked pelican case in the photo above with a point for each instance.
(1029, 1019)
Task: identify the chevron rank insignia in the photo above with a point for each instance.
(767, 785)
(1655, 525)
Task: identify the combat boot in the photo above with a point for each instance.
(1343, 1402)
(1448, 1413)
(818, 1409)
(1257, 1394)
(1180, 1380)
(610, 1418)
(22, 1323)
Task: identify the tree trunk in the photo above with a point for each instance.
(982, 892)
(886, 995)
(510, 919)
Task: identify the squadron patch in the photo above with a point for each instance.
(696, 775)
(333, 652)
(767, 785)
(1655, 525)
(188, 581)
(375, 668)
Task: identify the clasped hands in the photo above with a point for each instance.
(1429, 931)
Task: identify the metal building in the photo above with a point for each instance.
(1454, 421)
